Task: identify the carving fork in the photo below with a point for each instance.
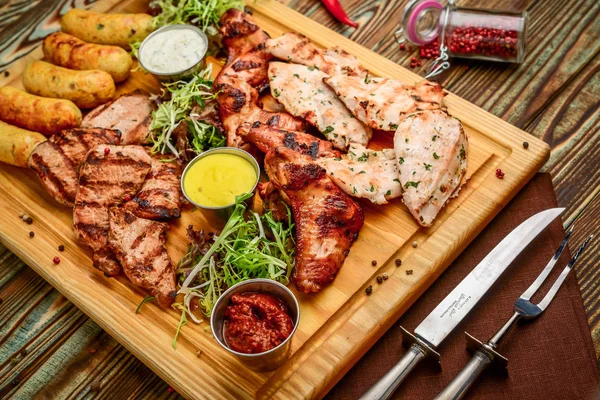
(485, 353)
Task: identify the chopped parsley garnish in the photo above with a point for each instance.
(276, 92)
(363, 158)
(388, 193)
(427, 166)
(436, 156)
(396, 180)
(362, 172)
(411, 183)
(401, 160)
(327, 130)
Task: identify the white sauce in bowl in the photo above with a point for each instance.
(173, 51)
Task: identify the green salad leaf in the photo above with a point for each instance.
(183, 96)
(249, 246)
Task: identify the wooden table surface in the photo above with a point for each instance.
(50, 349)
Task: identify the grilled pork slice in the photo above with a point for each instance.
(107, 177)
(431, 148)
(327, 220)
(57, 160)
(302, 92)
(298, 49)
(131, 114)
(139, 245)
(266, 138)
(365, 173)
(238, 104)
(159, 196)
(381, 103)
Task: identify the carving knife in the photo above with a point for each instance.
(448, 314)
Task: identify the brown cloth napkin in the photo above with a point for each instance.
(549, 358)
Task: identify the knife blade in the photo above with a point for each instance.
(448, 314)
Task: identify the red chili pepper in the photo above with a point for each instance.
(336, 9)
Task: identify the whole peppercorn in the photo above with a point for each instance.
(379, 279)
(107, 150)
(61, 248)
(369, 289)
(525, 145)
(499, 173)
(56, 260)
(398, 262)
(415, 244)
(385, 276)
(31, 234)
(374, 262)
(409, 272)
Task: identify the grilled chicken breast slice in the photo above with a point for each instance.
(381, 103)
(431, 149)
(139, 245)
(302, 92)
(57, 160)
(327, 220)
(159, 197)
(298, 49)
(266, 137)
(130, 113)
(365, 173)
(107, 177)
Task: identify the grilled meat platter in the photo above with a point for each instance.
(306, 114)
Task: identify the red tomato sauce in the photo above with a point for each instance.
(256, 322)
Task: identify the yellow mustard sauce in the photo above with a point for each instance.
(215, 180)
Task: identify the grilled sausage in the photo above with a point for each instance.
(115, 29)
(87, 89)
(70, 52)
(16, 144)
(38, 114)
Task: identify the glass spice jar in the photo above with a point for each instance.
(467, 32)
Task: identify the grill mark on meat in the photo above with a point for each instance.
(244, 65)
(49, 174)
(67, 159)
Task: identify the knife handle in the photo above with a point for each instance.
(384, 388)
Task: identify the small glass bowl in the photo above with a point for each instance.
(177, 75)
(268, 360)
(226, 209)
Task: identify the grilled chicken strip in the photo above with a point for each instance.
(237, 104)
(57, 160)
(365, 173)
(244, 76)
(381, 103)
(240, 33)
(298, 49)
(131, 114)
(266, 138)
(431, 148)
(108, 176)
(327, 220)
(139, 245)
(302, 92)
(159, 196)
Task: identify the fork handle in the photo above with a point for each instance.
(465, 379)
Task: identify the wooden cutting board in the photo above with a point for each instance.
(337, 325)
